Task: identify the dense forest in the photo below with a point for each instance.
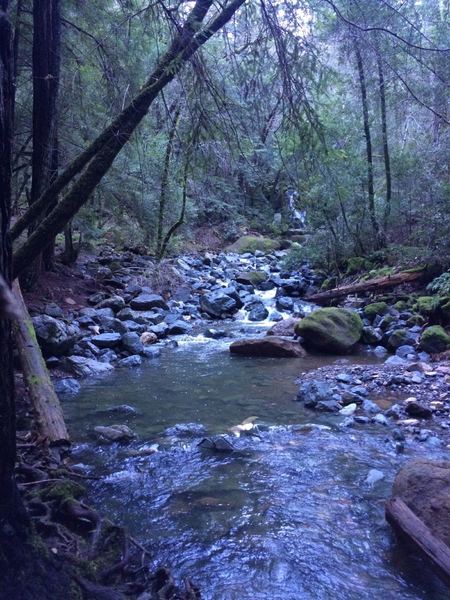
(175, 173)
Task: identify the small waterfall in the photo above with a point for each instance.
(298, 217)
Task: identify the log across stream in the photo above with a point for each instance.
(291, 513)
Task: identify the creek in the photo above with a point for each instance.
(288, 515)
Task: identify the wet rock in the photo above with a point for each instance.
(373, 477)
(148, 337)
(151, 352)
(371, 335)
(406, 351)
(269, 346)
(332, 330)
(284, 328)
(380, 351)
(401, 337)
(114, 433)
(424, 486)
(215, 334)
(380, 419)
(148, 301)
(416, 409)
(179, 327)
(130, 361)
(123, 409)
(217, 444)
(131, 342)
(107, 340)
(284, 303)
(67, 386)
(185, 430)
(348, 410)
(395, 360)
(54, 337)
(116, 303)
(344, 378)
(435, 339)
(159, 330)
(82, 366)
(370, 407)
(251, 277)
(218, 305)
(312, 392)
(107, 356)
(258, 313)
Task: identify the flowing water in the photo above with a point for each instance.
(287, 515)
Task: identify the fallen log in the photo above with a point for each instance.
(408, 524)
(378, 284)
(45, 402)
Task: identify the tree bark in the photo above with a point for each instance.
(43, 396)
(12, 515)
(185, 44)
(384, 133)
(368, 138)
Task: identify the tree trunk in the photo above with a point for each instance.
(43, 396)
(111, 141)
(367, 135)
(44, 160)
(12, 516)
(386, 156)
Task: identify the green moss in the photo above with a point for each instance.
(250, 243)
(374, 273)
(445, 309)
(63, 490)
(435, 339)
(376, 308)
(252, 277)
(415, 320)
(401, 305)
(334, 330)
(328, 284)
(357, 264)
(427, 305)
(398, 338)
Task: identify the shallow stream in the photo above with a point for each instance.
(288, 515)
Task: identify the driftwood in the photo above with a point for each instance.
(408, 524)
(42, 393)
(378, 284)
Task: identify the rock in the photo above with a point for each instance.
(114, 433)
(284, 303)
(406, 351)
(313, 392)
(131, 342)
(424, 486)
(130, 361)
(148, 301)
(416, 409)
(380, 419)
(116, 303)
(159, 330)
(400, 337)
(269, 346)
(179, 327)
(427, 305)
(258, 313)
(374, 309)
(371, 335)
(215, 334)
(107, 340)
(67, 386)
(380, 351)
(284, 328)
(251, 277)
(218, 444)
(218, 305)
(373, 477)
(435, 339)
(348, 410)
(395, 360)
(53, 310)
(251, 243)
(148, 337)
(333, 330)
(185, 430)
(370, 407)
(150, 352)
(124, 409)
(84, 367)
(344, 378)
(54, 337)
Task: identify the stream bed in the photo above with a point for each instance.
(290, 514)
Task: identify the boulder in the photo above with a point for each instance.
(148, 337)
(284, 328)
(179, 327)
(114, 433)
(252, 243)
(218, 305)
(132, 343)
(67, 385)
(269, 346)
(116, 303)
(107, 340)
(313, 392)
(54, 337)
(334, 330)
(130, 361)
(435, 339)
(284, 303)
(374, 309)
(258, 312)
(148, 301)
(401, 337)
(424, 486)
(84, 367)
(251, 277)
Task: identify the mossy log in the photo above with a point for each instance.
(377, 284)
(42, 393)
(414, 530)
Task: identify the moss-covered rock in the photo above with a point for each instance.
(250, 243)
(427, 305)
(400, 337)
(252, 277)
(435, 339)
(445, 310)
(63, 490)
(357, 264)
(334, 330)
(401, 305)
(415, 320)
(374, 309)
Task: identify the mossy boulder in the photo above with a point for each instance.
(357, 264)
(435, 339)
(252, 277)
(251, 243)
(333, 330)
(445, 309)
(401, 305)
(415, 320)
(400, 337)
(427, 305)
(374, 309)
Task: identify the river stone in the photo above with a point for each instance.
(284, 303)
(251, 277)
(114, 433)
(218, 305)
(148, 301)
(269, 346)
(312, 392)
(218, 444)
(116, 303)
(67, 385)
(54, 337)
(258, 313)
(130, 361)
(333, 330)
(179, 327)
(215, 334)
(132, 343)
(373, 477)
(400, 337)
(148, 337)
(416, 409)
(82, 366)
(107, 340)
(424, 486)
(435, 339)
(151, 352)
(284, 328)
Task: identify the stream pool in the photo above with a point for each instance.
(288, 515)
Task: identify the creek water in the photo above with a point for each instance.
(287, 515)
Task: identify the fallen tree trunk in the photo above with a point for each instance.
(414, 530)
(42, 393)
(378, 284)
